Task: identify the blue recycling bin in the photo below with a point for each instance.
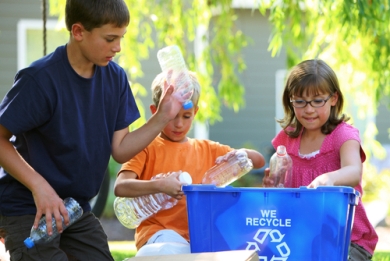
(297, 224)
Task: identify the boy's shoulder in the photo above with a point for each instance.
(47, 62)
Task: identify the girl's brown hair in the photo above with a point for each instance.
(311, 77)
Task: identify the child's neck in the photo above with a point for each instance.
(311, 141)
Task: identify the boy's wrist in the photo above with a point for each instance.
(161, 119)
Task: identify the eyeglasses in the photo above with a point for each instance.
(316, 103)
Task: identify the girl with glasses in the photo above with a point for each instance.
(325, 149)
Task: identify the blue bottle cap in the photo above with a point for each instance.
(28, 242)
(188, 105)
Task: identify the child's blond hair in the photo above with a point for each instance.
(158, 85)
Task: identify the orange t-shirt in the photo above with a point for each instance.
(163, 156)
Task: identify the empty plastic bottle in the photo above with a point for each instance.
(170, 58)
(228, 171)
(280, 168)
(132, 211)
(40, 235)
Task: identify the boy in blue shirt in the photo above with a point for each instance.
(63, 118)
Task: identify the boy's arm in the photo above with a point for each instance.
(126, 145)
(257, 158)
(127, 185)
(46, 199)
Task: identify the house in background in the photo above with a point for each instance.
(21, 41)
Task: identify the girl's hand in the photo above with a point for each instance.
(322, 180)
(267, 181)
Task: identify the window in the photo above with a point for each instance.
(30, 39)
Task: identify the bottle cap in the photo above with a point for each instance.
(184, 177)
(28, 242)
(281, 150)
(188, 105)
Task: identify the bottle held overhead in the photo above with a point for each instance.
(227, 172)
(39, 235)
(170, 58)
(132, 211)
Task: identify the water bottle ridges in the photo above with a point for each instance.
(132, 211)
(229, 171)
(170, 58)
(40, 235)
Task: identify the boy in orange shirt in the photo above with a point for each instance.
(171, 151)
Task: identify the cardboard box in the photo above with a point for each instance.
(238, 255)
(280, 224)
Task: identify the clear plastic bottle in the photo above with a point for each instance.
(280, 168)
(40, 235)
(132, 211)
(170, 58)
(228, 171)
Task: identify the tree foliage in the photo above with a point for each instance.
(352, 34)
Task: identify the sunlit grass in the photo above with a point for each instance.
(381, 256)
(120, 255)
(121, 250)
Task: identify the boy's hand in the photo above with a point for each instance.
(49, 204)
(169, 105)
(172, 186)
(267, 181)
(226, 157)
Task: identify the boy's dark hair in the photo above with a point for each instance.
(311, 77)
(96, 13)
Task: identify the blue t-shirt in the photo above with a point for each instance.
(63, 126)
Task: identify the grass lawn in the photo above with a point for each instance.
(120, 255)
(380, 256)
(121, 250)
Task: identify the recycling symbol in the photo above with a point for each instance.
(275, 240)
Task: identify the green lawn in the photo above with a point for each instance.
(120, 255)
(381, 256)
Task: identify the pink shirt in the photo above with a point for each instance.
(328, 159)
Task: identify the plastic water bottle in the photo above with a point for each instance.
(228, 171)
(280, 168)
(40, 235)
(170, 58)
(132, 211)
